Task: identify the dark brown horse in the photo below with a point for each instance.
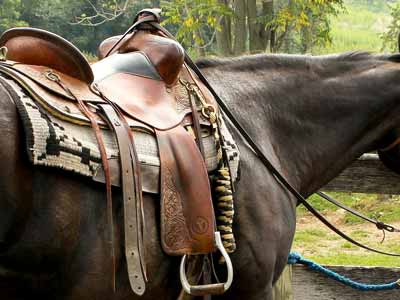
(312, 115)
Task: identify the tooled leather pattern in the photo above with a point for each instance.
(177, 237)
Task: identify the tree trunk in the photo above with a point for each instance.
(224, 36)
(257, 34)
(268, 12)
(201, 51)
(240, 27)
(155, 3)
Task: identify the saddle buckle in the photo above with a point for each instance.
(208, 289)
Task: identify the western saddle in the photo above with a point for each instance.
(133, 83)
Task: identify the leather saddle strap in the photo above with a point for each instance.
(379, 224)
(187, 214)
(100, 142)
(142, 20)
(137, 174)
(196, 124)
(132, 215)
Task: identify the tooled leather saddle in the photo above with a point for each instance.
(133, 84)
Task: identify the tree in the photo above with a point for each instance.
(302, 24)
(223, 35)
(258, 32)
(10, 14)
(196, 21)
(390, 39)
(240, 30)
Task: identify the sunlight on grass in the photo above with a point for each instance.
(357, 29)
(316, 242)
(357, 260)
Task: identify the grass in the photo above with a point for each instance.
(359, 28)
(318, 243)
(356, 260)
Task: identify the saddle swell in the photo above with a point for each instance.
(166, 55)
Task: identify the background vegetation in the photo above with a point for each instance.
(222, 27)
(227, 27)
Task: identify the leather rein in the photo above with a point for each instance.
(150, 19)
(266, 162)
(280, 178)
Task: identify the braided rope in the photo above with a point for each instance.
(222, 187)
(296, 258)
(225, 208)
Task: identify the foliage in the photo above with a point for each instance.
(100, 12)
(62, 17)
(359, 28)
(196, 20)
(10, 14)
(390, 37)
(304, 23)
(300, 25)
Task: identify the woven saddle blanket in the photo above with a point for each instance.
(53, 142)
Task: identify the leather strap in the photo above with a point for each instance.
(271, 167)
(132, 214)
(196, 124)
(207, 274)
(147, 19)
(341, 233)
(391, 146)
(380, 225)
(51, 76)
(253, 145)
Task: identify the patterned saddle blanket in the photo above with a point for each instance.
(54, 142)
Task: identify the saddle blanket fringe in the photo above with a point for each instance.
(57, 143)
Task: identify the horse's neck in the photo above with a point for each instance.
(312, 123)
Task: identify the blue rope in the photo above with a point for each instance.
(296, 258)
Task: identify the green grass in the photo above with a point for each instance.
(368, 204)
(356, 260)
(359, 28)
(316, 242)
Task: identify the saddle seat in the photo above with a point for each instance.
(140, 82)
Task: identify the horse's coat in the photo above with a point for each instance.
(312, 116)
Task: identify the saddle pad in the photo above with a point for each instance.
(57, 143)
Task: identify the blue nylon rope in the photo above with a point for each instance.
(296, 258)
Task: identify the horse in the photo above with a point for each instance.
(311, 116)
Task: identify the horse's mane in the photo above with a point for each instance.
(261, 61)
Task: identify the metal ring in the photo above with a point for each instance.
(207, 110)
(52, 76)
